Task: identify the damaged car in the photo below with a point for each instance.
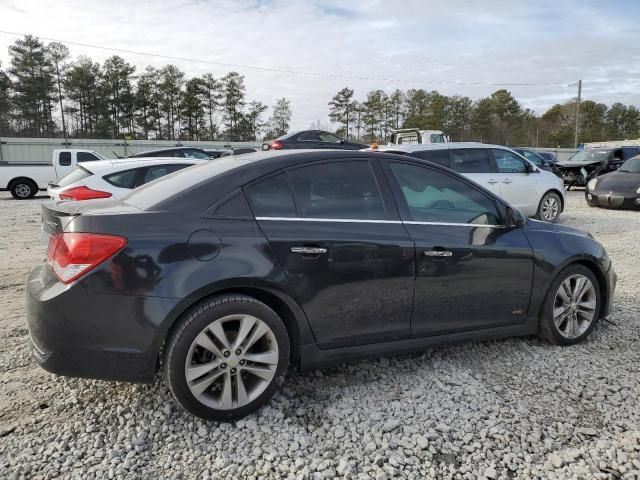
(591, 163)
(619, 189)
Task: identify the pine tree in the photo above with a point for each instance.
(342, 110)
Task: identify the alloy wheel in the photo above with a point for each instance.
(550, 208)
(23, 190)
(575, 305)
(231, 362)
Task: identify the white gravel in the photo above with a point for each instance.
(516, 408)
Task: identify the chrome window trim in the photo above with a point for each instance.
(355, 220)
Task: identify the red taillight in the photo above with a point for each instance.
(82, 193)
(275, 145)
(71, 255)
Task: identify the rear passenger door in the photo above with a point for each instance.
(335, 231)
(476, 164)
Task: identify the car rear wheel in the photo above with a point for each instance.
(23, 189)
(571, 307)
(226, 358)
(549, 208)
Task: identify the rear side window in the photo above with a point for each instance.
(272, 197)
(337, 190)
(86, 157)
(64, 159)
(77, 175)
(507, 162)
(441, 157)
(123, 179)
(160, 171)
(471, 160)
(309, 137)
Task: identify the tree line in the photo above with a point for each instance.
(43, 93)
(498, 119)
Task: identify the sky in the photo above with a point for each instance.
(455, 46)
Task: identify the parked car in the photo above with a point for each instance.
(618, 189)
(24, 180)
(113, 178)
(228, 272)
(408, 136)
(590, 163)
(311, 139)
(178, 152)
(535, 157)
(535, 192)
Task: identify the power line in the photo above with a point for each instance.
(290, 72)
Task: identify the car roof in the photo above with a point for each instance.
(168, 149)
(417, 147)
(116, 165)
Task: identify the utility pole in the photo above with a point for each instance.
(578, 112)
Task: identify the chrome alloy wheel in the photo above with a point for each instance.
(23, 190)
(231, 362)
(575, 305)
(550, 208)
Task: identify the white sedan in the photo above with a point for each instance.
(535, 192)
(113, 178)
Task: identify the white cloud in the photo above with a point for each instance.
(413, 41)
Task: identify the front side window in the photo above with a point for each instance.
(86, 157)
(329, 137)
(471, 160)
(532, 157)
(507, 162)
(441, 156)
(433, 196)
(160, 171)
(337, 190)
(272, 197)
(309, 137)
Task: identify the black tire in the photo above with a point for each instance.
(547, 328)
(549, 197)
(192, 324)
(23, 189)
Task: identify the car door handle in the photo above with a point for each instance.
(507, 180)
(492, 181)
(308, 250)
(437, 253)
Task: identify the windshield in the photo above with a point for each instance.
(590, 156)
(631, 165)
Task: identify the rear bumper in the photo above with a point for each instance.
(79, 333)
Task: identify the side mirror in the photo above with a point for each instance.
(529, 168)
(514, 218)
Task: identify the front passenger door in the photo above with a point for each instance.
(472, 272)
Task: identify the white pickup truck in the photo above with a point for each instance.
(405, 136)
(24, 180)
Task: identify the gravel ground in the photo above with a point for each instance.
(516, 408)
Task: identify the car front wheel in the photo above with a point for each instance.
(549, 208)
(571, 307)
(225, 359)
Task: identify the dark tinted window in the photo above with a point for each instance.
(272, 197)
(433, 196)
(337, 190)
(64, 159)
(329, 137)
(86, 157)
(629, 152)
(441, 157)
(122, 179)
(508, 162)
(75, 176)
(160, 171)
(309, 136)
(471, 160)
